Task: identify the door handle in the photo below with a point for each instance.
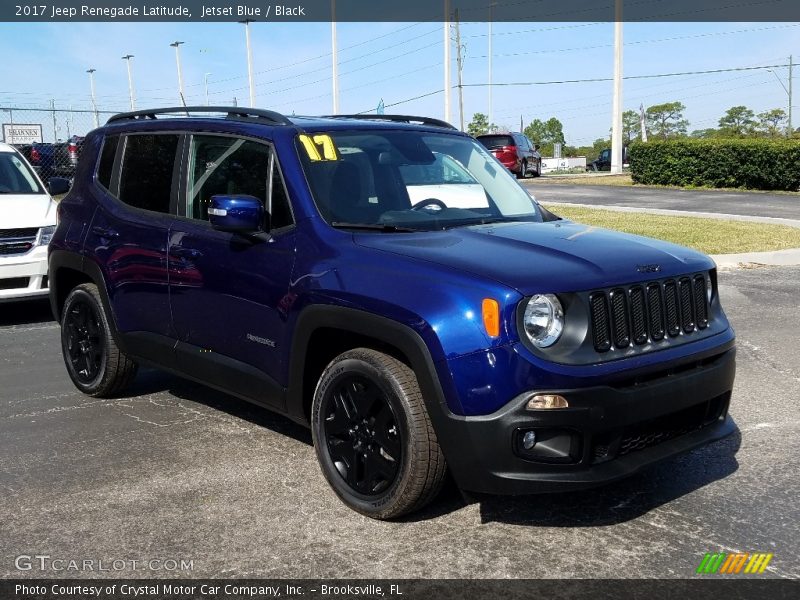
(179, 252)
(105, 232)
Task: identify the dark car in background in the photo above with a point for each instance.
(517, 153)
(603, 162)
(53, 159)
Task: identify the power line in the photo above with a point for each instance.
(602, 79)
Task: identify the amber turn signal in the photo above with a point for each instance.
(491, 316)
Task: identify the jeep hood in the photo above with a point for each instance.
(26, 210)
(558, 256)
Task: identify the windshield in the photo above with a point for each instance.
(410, 180)
(16, 177)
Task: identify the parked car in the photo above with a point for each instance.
(603, 162)
(27, 222)
(53, 159)
(295, 262)
(517, 153)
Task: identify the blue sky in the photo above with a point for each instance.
(398, 61)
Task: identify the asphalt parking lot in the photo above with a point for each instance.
(176, 471)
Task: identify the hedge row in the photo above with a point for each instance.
(749, 163)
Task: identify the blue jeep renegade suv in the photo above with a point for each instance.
(385, 281)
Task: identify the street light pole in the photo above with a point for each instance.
(616, 123)
(91, 73)
(128, 58)
(246, 24)
(447, 60)
(177, 46)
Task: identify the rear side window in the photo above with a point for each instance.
(147, 167)
(107, 161)
(496, 141)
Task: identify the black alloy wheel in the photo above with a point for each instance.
(373, 436)
(84, 345)
(94, 362)
(362, 434)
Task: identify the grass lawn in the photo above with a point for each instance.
(712, 236)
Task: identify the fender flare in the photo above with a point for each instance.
(383, 329)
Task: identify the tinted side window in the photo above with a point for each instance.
(147, 166)
(281, 211)
(229, 166)
(106, 164)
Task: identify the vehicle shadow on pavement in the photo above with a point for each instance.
(29, 312)
(623, 500)
(611, 504)
(153, 381)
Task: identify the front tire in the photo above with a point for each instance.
(373, 436)
(95, 364)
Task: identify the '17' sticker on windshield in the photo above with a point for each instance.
(319, 147)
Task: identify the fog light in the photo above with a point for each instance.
(540, 401)
(528, 440)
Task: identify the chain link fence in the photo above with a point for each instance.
(50, 138)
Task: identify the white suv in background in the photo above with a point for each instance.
(27, 222)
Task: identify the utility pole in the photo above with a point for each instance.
(128, 58)
(246, 23)
(55, 126)
(177, 46)
(447, 77)
(205, 81)
(616, 124)
(491, 23)
(459, 63)
(91, 73)
(791, 68)
(335, 59)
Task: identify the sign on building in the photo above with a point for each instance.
(18, 133)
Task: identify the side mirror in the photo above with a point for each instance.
(57, 186)
(536, 147)
(240, 214)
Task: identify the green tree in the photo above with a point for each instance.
(771, 122)
(705, 133)
(737, 121)
(480, 125)
(631, 127)
(666, 120)
(546, 133)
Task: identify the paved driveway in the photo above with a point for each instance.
(178, 471)
(785, 206)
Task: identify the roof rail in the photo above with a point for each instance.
(232, 112)
(398, 119)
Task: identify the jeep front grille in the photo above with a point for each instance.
(642, 313)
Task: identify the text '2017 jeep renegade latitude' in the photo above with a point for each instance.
(387, 282)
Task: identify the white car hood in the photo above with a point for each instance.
(26, 210)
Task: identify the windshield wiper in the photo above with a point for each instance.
(372, 227)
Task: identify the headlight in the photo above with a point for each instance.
(543, 320)
(45, 235)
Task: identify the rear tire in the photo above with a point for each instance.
(373, 436)
(95, 364)
(523, 170)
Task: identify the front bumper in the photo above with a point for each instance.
(24, 276)
(606, 434)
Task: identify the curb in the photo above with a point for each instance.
(783, 258)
